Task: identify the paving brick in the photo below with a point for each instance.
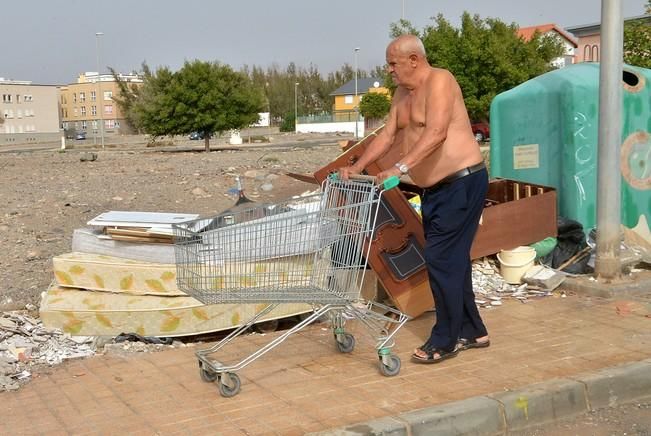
(306, 384)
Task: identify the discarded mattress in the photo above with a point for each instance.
(115, 274)
(86, 240)
(83, 312)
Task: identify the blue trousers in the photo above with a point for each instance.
(451, 215)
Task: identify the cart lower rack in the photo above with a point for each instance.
(314, 250)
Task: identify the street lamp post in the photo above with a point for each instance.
(99, 98)
(355, 100)
(296, 107)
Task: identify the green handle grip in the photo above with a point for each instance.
(391, 182)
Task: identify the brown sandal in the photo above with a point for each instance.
(466, 344)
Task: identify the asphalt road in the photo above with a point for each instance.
(630, 420)
(178, 144)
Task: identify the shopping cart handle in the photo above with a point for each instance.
(389, 183)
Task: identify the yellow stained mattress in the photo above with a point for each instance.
(115, 274)
(89, 313)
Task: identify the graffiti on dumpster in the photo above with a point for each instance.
(583, 155)
(635, 162)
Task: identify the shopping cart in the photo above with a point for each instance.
(310, 251)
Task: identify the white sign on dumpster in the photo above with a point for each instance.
(526, 157)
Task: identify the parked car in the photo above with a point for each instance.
(80, 136)
(481, 130)
(194, 136)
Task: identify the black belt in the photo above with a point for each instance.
(456, 176)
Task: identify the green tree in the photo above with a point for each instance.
(312, 92)
(375, 105)
(486, 56)
(637, 41)
(127, 95)
(206, 97)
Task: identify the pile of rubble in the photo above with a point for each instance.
(25, 343)
(490, 288)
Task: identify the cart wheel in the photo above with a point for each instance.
(229, 391)
(391, 369)
(207, 375)
(348, 343)
(267, 326)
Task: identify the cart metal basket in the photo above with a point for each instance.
(309, 251)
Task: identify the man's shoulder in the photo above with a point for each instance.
(440, 73)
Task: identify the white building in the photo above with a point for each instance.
(28, 112)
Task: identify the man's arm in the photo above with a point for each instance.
(378, 147)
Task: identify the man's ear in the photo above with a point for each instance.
(413, 58)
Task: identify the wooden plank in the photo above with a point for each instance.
(141, 239)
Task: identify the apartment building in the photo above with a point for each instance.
(28, 112)
(589, 38)
(89, 104)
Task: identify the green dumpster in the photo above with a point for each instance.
(545, 131)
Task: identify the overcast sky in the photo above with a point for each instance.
(52, 41)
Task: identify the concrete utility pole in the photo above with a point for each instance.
(608, 262)
(355, 101)
(100, 98)
(296, 107)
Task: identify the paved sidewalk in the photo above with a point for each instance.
(304, 385)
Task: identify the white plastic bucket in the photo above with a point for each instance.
(514, 263)
(517, 254)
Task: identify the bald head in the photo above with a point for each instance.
(407, 45)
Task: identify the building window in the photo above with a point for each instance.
(83, 111)
(17, 98)
(27, 97)
(83, 125)
(6, 98)
(93, 110)
(348, 99)
(82, 97)
(93, 96)
(108, 95)
(94, 124)
(587, 54)
(595, 53)
(109, 124)
(74, 97)
(108, 108)
(75, 112)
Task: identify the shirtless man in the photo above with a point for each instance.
(429, 124)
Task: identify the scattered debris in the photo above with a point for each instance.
(25, 343)
(544, 277)
(88, 157)
(490, 288)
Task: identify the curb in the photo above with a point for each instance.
(533, 405)
(606, 290)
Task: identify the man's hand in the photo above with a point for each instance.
(346, 172)
(393, 171)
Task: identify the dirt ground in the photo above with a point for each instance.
(47, 194)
